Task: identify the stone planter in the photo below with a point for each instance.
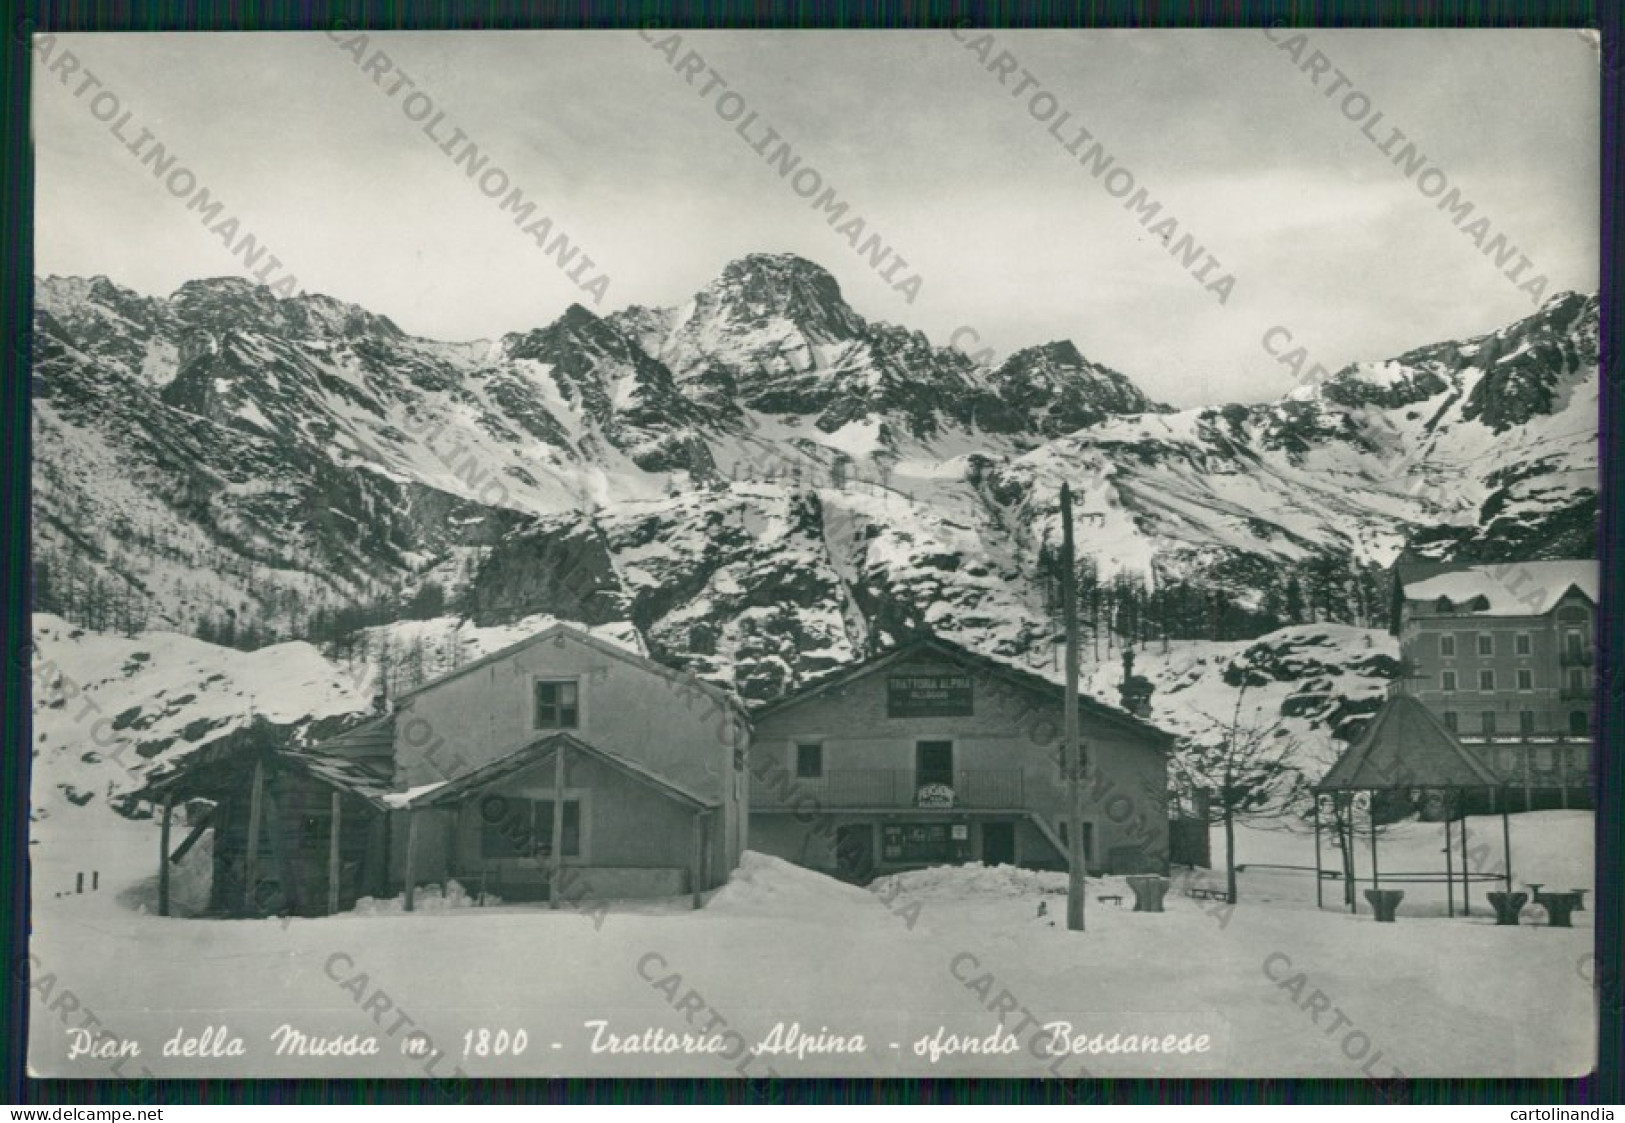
(1149, 890)
(1559, 907)
(1507, 906)
(1385, 902)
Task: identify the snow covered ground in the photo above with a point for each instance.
(923, 967)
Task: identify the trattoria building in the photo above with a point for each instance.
(930, 754)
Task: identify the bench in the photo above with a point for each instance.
(1208, 894)
(1115, 899)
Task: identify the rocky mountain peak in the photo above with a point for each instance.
(761, 288)
(1063, 391)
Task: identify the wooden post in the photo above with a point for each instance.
(251, 863)
(412, 817)
(1528, 799)
(1376, 880)
(1350, 851)
(1318, 901)
(1506, 840)
(335, 825)
(163, 857)
(694, 859)
(1077, 874)
(1562, 754)
(558, 826)
(1466, 870)
(1450, 865)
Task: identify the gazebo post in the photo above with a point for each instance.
(1449, 862)
(1347, 831)
(1318, 901)
(1466, 870)
(1376, 881)
(1506, 840)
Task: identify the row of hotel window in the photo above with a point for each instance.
(1522, 643)
(1449, 683)
(1579, 722)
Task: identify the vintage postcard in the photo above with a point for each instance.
(782, 554)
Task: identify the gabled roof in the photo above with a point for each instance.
(560, 633)
(1405, 746)
(1515, 588)
(539, 752)
(993, 668)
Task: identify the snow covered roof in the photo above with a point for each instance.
(203, 772)
(533, 754)
(1405, 746)
(561, 633)
(953, 652)
(1530, 588)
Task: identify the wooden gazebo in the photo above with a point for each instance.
(1407, 749)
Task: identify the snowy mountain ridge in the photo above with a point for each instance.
(760, 482)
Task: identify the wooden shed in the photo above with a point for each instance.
(295, 832)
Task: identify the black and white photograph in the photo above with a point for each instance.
(1062, 554)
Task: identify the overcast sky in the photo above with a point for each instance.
(1010, 236)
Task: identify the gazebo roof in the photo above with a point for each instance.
(1406, 746)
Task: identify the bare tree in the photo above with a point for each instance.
(1248, 770)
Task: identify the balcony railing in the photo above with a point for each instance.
(1576, 657)
(983, 789)
(1575, 693)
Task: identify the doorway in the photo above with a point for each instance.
(855, 851)
(998, 844)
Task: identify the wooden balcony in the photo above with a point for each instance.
(889, 788)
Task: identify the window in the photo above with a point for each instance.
(1523, 645)
(1526, 721)
(1450, 720)
(1447, 646)
(1579, 723)
(1526, 679)
(1447, 679)
(1486, 722)
(523, 828)
(809, 760)
(1486, 680)
(558, 705)
(1577, 680)
(1486, 644)
(934, 763)
(1573, 643)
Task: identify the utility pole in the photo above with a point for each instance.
(1075, 884)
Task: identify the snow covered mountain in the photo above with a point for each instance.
(761, 482)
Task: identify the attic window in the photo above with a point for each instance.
(1480, 603)
(1443, 605)
(558, 704)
